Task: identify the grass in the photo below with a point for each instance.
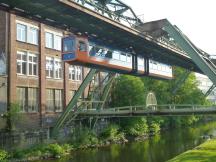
(206, 152)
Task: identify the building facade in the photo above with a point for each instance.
(34, 75)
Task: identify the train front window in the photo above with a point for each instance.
(82, 46)
(68, 45)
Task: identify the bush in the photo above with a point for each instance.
(154, 127)
(55, 149)
(3, 155)
(111, 133)
(136, 126)
(84, 138)
(19, 154)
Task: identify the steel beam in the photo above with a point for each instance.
(185, 44)
(180, 82)
(210, 90)
(106, 91)
(72, 104)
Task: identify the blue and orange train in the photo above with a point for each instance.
(79, 51)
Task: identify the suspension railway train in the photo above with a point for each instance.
(79, 51)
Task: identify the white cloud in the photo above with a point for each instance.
(196, 18)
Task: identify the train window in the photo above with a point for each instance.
(109, 54)
(82, 46)
(123, 57)
(68, 45)
(116, 55)
(140, 61)
(128, 58)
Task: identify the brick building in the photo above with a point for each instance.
(34, 75)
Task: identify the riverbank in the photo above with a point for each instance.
(113, 134)
(205, 152)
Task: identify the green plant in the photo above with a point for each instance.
(111, 133)
(85, 138)
(4, 155)
(136, 126)
(154, 127)
(19, 154)
(55, 149)
(13, 115)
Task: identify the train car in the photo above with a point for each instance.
(160, 70)
(78, 50)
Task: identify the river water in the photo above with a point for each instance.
(159, 148)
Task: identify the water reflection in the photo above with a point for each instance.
(159, 148)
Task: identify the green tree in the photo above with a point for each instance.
(128, 90)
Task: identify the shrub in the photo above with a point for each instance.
(154, 127)
(3, 155)
(84, 138)
(111, 133)
(55, 149)
(19, 154)
(136, 127)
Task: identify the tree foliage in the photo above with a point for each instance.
(130, 90)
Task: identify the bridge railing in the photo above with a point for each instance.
(150, 108)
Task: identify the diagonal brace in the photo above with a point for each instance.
(72, 103)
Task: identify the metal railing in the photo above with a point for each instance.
(151, 108)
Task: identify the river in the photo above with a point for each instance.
(159, 148)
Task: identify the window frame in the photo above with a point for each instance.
(56, 43)
(24, 39)
(75, 71)
(56, 68)
(25, 98)
(53, 98)
(28, 28)
(27, 62)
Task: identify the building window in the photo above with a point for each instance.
(53, 68)
(75, 73)
(57, 43)
(33, 35)
(32, 64)
(21, 32)
(49, 67)
(27, 33)
(21, 99)
(54, 99)
(58, 100)
(58, 68)
(49, 40)
(27, 99)
(50, 100)
(32, 100)
(27, 63)
(72, 72)
(53, 40)
(21, 63)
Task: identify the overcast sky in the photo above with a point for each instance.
(196, 18)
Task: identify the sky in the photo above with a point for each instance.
(196, 18)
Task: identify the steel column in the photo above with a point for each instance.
(185, 44)
(180, 82)
(73, 102)
(210, 90)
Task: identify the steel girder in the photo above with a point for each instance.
(74, 107)
(202, 62)
(210, 90)
(181, 81)
(72, 104)
(114, 9)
